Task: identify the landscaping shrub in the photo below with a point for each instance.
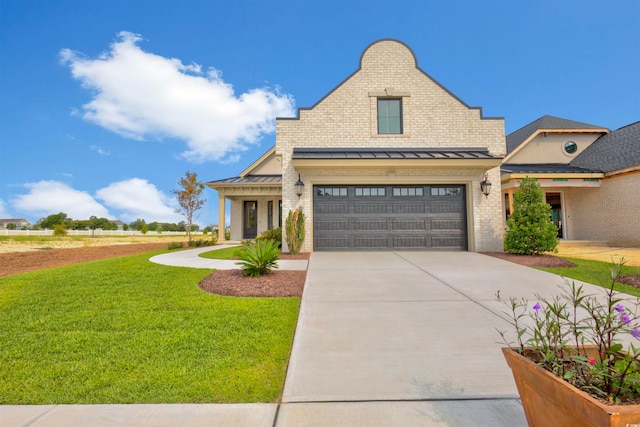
(202, 243)
(529, 228)
(175, 245)
(295, 231)
(274, 234)
(60, 230)
(258, 257)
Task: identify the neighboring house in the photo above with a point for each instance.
(19, 223)
(589, 174)
(119, 224)
(389, 159)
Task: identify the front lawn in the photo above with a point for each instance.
(125, 330)
(595, 272)
(224, 253)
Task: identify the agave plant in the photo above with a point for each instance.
(258, 257)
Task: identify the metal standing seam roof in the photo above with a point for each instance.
(251, 179)
(392, 153)
(544, 168)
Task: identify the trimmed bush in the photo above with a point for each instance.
(202, 243)
(175, 245)
(259, 257)
(529, 228)
(274, 234)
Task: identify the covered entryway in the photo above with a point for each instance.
(389, 217)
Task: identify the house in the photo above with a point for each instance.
(14, 223)
(589, 174)
(387, 160)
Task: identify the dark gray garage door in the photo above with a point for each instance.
(415, 217)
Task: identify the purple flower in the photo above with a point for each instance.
(624, 318)
(537, 306)
(619, 308)
(635, 332)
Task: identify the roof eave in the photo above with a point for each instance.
(319, 163)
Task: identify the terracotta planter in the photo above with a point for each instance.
(550, 401)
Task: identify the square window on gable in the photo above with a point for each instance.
(389, 116)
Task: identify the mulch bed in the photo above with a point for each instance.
(280, 283)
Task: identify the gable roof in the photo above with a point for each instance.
(547, 123)
(616, 150)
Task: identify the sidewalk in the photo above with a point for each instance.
(190, 258)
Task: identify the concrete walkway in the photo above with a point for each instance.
(190, 258)
(383, 339)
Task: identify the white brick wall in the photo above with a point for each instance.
(432, 117)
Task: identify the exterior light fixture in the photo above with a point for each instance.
(485, 185)
(299, 186)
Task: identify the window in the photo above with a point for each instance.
(280, 213)
(269, 214)
(331, 191)
(370, 191)
(389, 116)
(408, 191)
(570, 147)
(446, 191)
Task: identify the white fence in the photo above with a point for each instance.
(98, 232)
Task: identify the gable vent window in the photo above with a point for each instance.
(570, 147)
(389, 116)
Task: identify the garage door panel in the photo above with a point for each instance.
(410, 242)
(410, 217)
(371, 242)
(335, 225)
(451, 206)
(408, 208)
(332, 243)
(333, 208)
(370, 225)
(410, 224)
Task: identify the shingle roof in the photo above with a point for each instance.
(250, 179)
(544, 168)
(616, 150)
(514, 139)
(392, 153)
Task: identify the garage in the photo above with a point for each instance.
(389, 217)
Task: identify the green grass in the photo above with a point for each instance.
(595, 272)
(125, 330)
(224, 253)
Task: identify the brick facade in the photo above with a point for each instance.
(432, 117)
(608, 213)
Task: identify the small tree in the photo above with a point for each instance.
(529, 228)
(295, 231)
(60, 229)
(188, 196)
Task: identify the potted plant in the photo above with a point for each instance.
(568, 364)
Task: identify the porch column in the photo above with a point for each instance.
(221, 217)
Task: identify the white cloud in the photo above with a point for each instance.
(141, 95)
(50, 197)
(4, 213)
(137, 198)
(100, 151)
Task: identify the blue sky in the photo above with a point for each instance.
(104, 105)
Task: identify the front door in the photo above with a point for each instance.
(250, 221)
(555, 201)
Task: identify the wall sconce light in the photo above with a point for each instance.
(299, 186)
(485, 185)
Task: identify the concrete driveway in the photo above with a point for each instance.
(406, 334)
